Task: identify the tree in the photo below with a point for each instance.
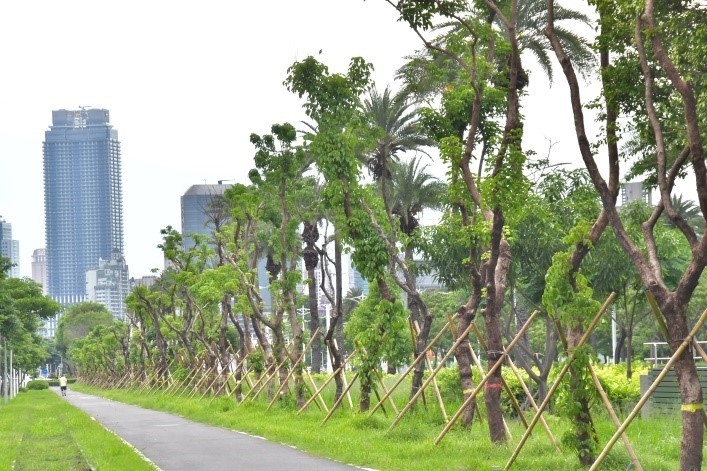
(332, 101)
(22, 308)
(662, 41)
(77, 321)
(479, 117)
(278, 173)
(398, 127)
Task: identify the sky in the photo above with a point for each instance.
(186, 83)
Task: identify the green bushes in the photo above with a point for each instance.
(37, 384)
(621, 391)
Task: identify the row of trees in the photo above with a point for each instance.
(514, 235)
(23, 308)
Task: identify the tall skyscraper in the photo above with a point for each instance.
(83, 198)
(9, 248)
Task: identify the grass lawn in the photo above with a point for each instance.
(365, 441)
(40, 431)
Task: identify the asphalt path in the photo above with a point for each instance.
(173, 443)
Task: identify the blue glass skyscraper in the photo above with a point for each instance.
(83, 198)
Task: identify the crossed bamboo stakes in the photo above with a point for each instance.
(219, 380)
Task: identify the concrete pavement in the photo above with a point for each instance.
(173, 443)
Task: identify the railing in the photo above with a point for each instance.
(660, 347)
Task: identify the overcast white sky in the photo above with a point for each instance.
(186, 83)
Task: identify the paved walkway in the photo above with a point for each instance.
(173, 443)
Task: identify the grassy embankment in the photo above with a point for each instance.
(40, 431)
(365, 441)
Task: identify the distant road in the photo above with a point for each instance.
(173, 443)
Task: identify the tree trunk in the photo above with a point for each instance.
(690, 388)
(492, 394)
(314, 323)
(584, 433)
(463, 357)
(335, 334)
(629, 353)
(619, 346)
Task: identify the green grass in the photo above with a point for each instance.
(355, 438)
(40, 431)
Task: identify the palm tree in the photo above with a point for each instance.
(532, 20)
(412, 190)
(428, 72)
(397, 120)
(689, 212)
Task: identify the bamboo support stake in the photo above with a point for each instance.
(203, 380)
(428, 364)
(343, 379)
(685, 343)
(440, 401)
(292, 370)
(231, 374)
(187, 383)
(338, 401)
(615, 419)
(210, 384)
(321, 403)
(410, 368)
(556, 384)
(385, 390)
(486, 377)
(275, 372)
(221, 388)
(179, 384)
(533, 404)
(217, 376)
(158, 384)
(264, 378)
(328, 380)
(417, 394)
(203, 369)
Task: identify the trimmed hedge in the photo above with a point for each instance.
(37, 384)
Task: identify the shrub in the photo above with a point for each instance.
(620, 390)
(38, 384)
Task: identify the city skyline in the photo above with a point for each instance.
(186, 87)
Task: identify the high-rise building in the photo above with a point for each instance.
(635, 191)
(83, 198)
(39, 268)
(201, 206)
(9, 248)
(109, 284)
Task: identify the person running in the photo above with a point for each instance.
(62, 385)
